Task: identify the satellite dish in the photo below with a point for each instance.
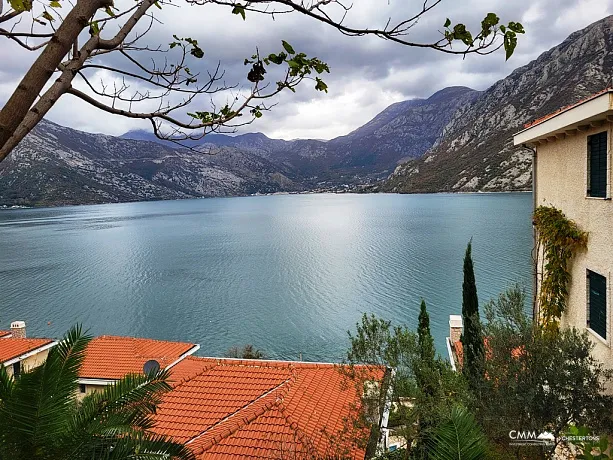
(151, 367)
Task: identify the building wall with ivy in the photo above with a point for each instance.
(562, 182)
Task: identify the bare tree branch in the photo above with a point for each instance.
(137, 84)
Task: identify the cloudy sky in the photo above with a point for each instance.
(367, 74)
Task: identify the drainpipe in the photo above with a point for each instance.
(534, 236)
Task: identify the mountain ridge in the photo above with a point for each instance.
(56, 165)
(457, 140)
(476, 152)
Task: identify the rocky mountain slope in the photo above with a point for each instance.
(403, 130)
(56, 165)
(456, 140)
(476, 151)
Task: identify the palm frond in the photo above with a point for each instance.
(7, 384)
(119, 412)
(147, 446)
(42, 399)
(458, 438)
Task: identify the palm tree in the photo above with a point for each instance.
(40, 417)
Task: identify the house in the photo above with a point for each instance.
(18, 353)
(109, 358)
(260, 409)
(572, 172)
(453, 343)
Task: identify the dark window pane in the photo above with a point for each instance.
(597, 304)
(16, 369)
(597, 165)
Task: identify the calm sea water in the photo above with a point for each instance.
(290, 274)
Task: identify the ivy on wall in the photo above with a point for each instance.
(558, 239)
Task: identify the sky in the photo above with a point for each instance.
(367, 73)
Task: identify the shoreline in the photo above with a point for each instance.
(322, 192)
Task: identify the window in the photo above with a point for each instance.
(597, 303)
(597, 165)
(16, 369)
(82, 388)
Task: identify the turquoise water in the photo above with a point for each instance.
(290, 274)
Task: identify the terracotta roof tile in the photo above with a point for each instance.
(12, 348)
(111, 357)
(230, 409)
(4, 334)
(459, 351)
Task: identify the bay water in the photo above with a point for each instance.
(290, 274)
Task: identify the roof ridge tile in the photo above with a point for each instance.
(253, 410)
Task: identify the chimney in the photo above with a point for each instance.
(455, 328)
(18, 329)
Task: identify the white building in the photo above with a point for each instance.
(572, 172)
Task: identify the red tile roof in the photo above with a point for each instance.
(459, 351)
(11, 348)
(4, 334)
(232, 409)
(111, 357)
(538, 121)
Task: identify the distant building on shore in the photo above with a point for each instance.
(572, 172)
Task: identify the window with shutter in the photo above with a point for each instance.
(597, 303)
(597, 165)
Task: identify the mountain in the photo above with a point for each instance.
(56, 165)
(403, 130)
(475, 152)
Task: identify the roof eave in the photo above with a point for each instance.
(581, 117)
(189, 352)
(33, 352)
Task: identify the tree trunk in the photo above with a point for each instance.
(24, 96)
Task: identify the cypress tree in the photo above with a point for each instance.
(473, 366)
(426, 342)
(427, 377)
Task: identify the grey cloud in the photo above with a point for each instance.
(385, 68)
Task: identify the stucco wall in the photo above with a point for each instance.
(30, 362)
(89, 389)
(561, 181)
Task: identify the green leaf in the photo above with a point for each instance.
(239, 9)
(94, 28)
(47, 16)
(288, 47)
(516, 27)
(510, 43)
(197, 52)
(320, 86)
(158, 5)
(461, 33)
(447, 23)
(55, 4)
(109, 11)
(488, 24)
(21, 5)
